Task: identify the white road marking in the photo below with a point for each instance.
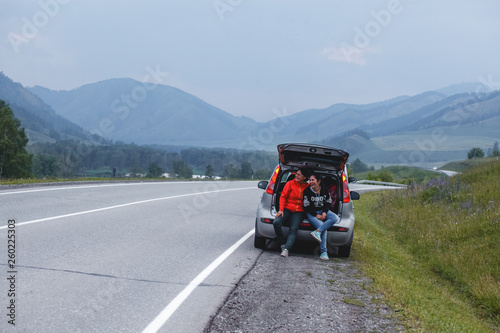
(123, 205)
(87, 186)
(165, 314)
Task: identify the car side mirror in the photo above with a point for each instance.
(263, 184)
(352, 179)
(354, 195)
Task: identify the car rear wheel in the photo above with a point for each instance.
(345, 251)
(259, 242)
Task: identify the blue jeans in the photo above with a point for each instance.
(331, 219)
(295, 220)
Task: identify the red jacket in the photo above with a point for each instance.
(292, 196)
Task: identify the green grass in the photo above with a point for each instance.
(433, 251)
(351, 301)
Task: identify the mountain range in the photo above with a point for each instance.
(130, 111)
(41, 122)
(431, 127)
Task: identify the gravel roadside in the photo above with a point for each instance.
(303, 294)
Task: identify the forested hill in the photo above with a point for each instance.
(40, 121)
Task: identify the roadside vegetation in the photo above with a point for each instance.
(464, 165)
(433, 250)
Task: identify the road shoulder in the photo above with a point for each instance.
(303, 293)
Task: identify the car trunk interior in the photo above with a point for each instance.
(331, 181)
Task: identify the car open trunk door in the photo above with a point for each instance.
(312, 156)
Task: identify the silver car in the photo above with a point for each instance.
(330, 163)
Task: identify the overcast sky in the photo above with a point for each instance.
(250, 57)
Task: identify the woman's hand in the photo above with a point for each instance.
(280, 213)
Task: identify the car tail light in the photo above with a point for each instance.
(341, 229)
(272, 182)
(345, 186)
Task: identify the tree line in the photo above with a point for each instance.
(75, 159)
(68, 159)
(477, 152)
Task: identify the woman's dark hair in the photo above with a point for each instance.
(305, 172)
(316, 175)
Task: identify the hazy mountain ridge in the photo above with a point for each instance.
(41, 122)
(124, 110)
(465, 87)
(317, 124)
(441, 131)
(412, 120)
(470, 109)
(166, 115)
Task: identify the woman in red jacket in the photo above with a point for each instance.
(291, 208)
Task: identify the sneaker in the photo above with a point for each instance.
(284, 253)
(316, 235)
(324, 256)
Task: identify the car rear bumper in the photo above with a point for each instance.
(338, 235)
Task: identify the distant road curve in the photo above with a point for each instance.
(361, 187)
(449, 172)
(446, 172)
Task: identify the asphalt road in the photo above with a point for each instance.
(134, 257)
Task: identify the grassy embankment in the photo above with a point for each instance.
(464, 165)
(434, 251)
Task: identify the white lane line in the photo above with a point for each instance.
(124, 205)
(169, 310)
(87, 186)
